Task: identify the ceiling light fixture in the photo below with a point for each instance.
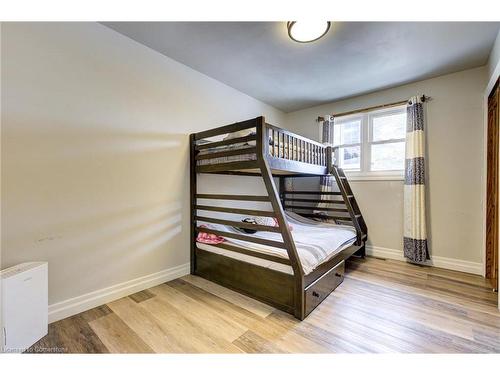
(307, 31)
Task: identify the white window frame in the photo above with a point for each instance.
(350, 118)
(366, 137)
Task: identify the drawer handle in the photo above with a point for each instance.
(315, 294)
(338, 274)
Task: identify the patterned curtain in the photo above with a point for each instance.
(415, 232)
(326, 182)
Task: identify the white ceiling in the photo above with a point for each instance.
(260, 60)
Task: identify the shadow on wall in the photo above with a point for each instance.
(101, 207)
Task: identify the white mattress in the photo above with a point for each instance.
(316, 243)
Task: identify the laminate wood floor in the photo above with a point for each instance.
(382, 306)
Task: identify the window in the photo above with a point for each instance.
(347, 135)
(371, 145)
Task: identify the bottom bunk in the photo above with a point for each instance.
(278, 257)
(322, 249)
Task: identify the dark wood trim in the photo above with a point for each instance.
(282, 182)
(192, 201)
(296, 166)
(251, 172)
(232, 128)
(492, 186)
(255, 254)
(252, 198)
(302, 192)
(231, 210)
(236, 173)
(226, 142)
(329, 209)
(239, 224)
(331, 217)
(345, 190)
(313, 200)
(234, 165)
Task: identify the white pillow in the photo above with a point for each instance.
(239, 134)
(263, 220)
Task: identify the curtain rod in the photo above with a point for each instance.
(367, 109)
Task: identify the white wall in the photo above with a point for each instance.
(454, 120)
(95, 154)
(494, 64)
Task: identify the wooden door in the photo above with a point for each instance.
(492, 188)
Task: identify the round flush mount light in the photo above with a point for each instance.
(307, 31)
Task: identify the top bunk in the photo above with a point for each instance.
(246, 147)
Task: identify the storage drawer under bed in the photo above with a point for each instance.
(321, 288)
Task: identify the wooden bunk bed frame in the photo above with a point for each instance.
(289, 155)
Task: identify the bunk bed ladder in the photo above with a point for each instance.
(351, 204)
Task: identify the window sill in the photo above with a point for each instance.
(394, 177)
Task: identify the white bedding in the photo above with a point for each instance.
(316, 242)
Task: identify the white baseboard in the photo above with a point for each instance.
(384, 252)
(72, 306)
(436, 261)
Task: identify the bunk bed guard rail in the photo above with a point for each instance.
(265, 140)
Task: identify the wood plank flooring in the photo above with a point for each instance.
(382, 306)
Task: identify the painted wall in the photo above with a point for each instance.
(95, 153)
(454, 120)
(494, 62)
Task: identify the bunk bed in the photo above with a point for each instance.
(289, 257)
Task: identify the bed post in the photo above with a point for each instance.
(274, 197)
(282, 181)
(193, 192)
